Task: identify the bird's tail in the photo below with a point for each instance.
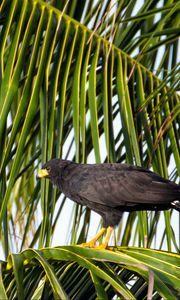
(176, 205)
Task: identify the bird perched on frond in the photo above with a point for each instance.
(111, 189)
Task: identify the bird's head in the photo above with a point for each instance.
(53, 170)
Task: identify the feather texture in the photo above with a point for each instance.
(110, 189)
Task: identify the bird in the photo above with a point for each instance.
(110, 189)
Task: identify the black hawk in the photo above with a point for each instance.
(111, 189)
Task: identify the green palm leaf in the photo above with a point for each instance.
(104, 272)
(91, 81)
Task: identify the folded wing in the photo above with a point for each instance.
(117, 185)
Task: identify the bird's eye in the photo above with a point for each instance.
(48, 169)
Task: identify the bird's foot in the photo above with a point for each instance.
(102, 246)
(90, 244)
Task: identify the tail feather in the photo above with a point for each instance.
(176, 205)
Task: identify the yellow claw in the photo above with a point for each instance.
(91, 243)
(104, 245)
(101, 247)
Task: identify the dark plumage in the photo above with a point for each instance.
(111, 189)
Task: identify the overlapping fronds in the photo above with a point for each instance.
(96, 81)
(72, 272)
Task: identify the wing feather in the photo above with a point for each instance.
(120, 185)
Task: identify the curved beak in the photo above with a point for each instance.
(42, 173)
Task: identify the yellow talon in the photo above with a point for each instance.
(101, 247)
(92, 243)
(104, 245)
